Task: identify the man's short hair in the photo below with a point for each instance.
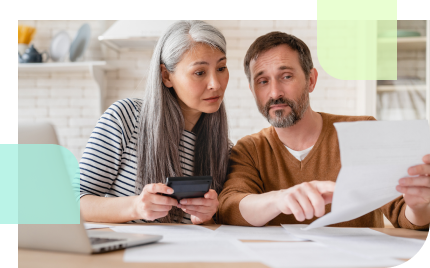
(274, 39)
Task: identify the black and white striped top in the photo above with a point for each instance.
(108, 164)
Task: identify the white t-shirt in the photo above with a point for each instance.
(300, 155)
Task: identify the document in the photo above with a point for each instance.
(89, 226)
(169, 232)
(311, 254)
(191, 250)
(274, 233)
(374, 156)
(362, 242)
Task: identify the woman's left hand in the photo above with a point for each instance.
(200, 209)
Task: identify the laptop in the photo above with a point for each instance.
(68, 237)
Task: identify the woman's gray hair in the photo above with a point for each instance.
(161, 122)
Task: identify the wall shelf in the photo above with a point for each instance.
(95, 68)
(407, 43)
(387, 88)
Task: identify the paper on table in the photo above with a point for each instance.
(169, 232)
(374, 156)
(190, 250)
(362, 242)
(275, 233)
(311, 254)
(95, 226)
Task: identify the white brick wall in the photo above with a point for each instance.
(69, 100)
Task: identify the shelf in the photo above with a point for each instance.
(407, 43)
(63, 66)
(388, 88)
(95, 68)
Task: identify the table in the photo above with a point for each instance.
(45, 259)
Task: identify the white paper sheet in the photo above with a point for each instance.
(311, 254)
(363, 242)
(89, 226)
(275, 233)
(169, 232)
(374, 156)
(191, 250)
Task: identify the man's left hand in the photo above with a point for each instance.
(416, 192)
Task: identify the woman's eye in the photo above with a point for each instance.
(222, 69)
(199, 73)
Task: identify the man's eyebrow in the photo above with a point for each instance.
(206, 63)
(258, 74)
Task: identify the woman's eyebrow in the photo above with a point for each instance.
(206, 63)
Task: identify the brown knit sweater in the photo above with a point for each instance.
(260, 163)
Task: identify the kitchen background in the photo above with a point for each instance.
(72, 96)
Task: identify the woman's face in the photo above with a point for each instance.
(200, 79)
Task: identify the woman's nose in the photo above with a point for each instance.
(214, 83)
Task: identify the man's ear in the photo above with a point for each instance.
(313, 77)
(165, 76)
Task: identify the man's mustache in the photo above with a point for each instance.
(286, 101)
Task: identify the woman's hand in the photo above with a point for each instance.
(149, 205)
(201, 209)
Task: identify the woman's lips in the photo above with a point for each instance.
(213, 99)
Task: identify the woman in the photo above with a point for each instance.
(178, 129)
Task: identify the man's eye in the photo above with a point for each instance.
(287, 76)
(262, 82)
(199, 73)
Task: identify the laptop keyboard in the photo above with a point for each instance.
(98, 240)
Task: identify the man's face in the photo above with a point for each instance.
(280, 86)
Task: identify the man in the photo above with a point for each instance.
(286, 173)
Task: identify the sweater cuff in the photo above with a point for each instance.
(405, 223)
(230, 212)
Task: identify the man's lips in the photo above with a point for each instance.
(277, 106)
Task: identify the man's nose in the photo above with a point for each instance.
(275, 90)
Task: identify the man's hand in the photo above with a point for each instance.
(201, 209)
(306, 200)
(416, 192)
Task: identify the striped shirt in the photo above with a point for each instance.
(108, 164)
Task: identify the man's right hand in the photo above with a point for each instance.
(305, 200)
(150, 205)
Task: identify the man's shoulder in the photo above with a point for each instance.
(334, 118)
(255, 139)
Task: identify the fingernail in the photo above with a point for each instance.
(170, 191)
(401, 181)
(183, 201)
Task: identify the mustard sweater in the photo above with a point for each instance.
(260, 163)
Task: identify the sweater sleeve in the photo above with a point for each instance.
(243, 179)
(395, 213)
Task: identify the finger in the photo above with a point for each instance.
(155, 188)
(426, 159)
(202, 216)
(197, 202)
(419, 170)
(324, 186)
(415, 181)
(211, 194)
(295, 208)
(163, 200)
(316, 199)
(328, 198)
(304, 202)
(423, 192)
(201, 209)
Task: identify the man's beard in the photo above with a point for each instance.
(282, 120)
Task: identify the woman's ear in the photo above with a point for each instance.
(165, 76)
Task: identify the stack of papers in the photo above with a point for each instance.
(273, 233)
(361, 242)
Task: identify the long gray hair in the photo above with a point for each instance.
(161, 122)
